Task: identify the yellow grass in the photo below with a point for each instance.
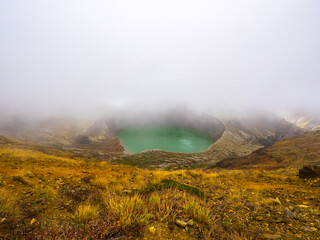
(68, 196)
(86, 212)
(8, 208)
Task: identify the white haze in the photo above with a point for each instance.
(216, 56)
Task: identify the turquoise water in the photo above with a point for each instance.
(174, 139)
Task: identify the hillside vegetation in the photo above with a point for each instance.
(47, 193)
(293, 153)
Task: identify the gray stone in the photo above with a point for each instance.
(29, 174)
(181, 223)
(190, 222)
(271, 236)
(288, 214)
(306, 229)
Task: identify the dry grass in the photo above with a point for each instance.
(74, 198)
(293, 153)
(101, 182)
(9, 210)
(86, 212)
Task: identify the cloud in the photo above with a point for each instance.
(217, 55)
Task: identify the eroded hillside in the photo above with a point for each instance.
(293, 153)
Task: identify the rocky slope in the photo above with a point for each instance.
(49, 131)
(307, 121)
(295, 152)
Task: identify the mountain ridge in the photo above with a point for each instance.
(232, 136)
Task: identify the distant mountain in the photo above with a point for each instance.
(232, 137)
(50, 131)
(76, 134)
(307, 121)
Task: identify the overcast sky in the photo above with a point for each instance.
(62, 55)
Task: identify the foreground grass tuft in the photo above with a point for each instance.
(170, 184)
(8, 207)
(86, 212)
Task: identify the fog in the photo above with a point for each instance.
(84, 57)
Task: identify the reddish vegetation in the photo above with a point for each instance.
(296, 152)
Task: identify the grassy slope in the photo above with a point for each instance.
(293, 153)
(46, 193)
